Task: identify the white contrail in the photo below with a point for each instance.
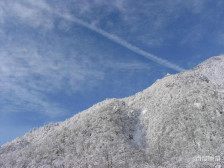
(125, 44)
(117, 40)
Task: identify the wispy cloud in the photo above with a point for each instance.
(26, 75)
(117, 40)
(24, 12)
(126, 44)
(151, 22)
(16, 99)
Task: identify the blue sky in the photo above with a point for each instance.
(58, 58)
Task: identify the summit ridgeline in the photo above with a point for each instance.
(178, 122)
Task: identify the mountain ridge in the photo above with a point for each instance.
(172, 123)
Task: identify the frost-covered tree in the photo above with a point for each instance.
(176, 122)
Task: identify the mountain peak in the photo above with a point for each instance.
(213, 69)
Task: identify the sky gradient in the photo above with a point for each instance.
(58, 58)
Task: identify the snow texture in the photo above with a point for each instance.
(177, 122)
(139, 131)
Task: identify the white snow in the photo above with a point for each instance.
(217, 113)
(220, 90)
(139, 132)
(138, 136)
(198, 105)
(168, 130)
(144, 111)
(213, 69)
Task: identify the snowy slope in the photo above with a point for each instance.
(177, 122)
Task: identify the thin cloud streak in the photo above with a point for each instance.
(113, 38)
(28, 76)
(124, 43)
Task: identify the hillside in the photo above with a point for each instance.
(176, 122)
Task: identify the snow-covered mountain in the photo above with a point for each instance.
(175, 123)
